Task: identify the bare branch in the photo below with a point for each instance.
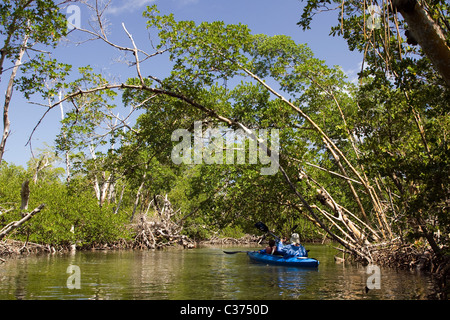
(16, 224)
(135, 53)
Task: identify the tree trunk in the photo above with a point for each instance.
(428, 35)
(8, 96)
(67, 155)
(41, 165)
(120, 200)
(25, 194)
(138, 196)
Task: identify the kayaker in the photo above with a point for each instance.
(271, 248)
(292, 249)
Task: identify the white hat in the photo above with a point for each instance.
(295, 238)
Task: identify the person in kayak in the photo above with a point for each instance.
(271, 248)
(292, 249)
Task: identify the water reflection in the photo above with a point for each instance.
(288, 282)
(205, 273)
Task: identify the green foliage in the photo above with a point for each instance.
(39, 73)
(234, 232)
(39, 22)
(91, 224)
(41, 19)
(71, 214)
(402, 116)
(405, 141)
(11, 178)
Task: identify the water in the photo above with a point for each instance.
(204, 273)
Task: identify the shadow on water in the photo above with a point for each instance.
(205, 273)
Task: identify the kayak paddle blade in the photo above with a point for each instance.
(261, 226)
(233, 252)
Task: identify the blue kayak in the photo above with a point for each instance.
(282, 261)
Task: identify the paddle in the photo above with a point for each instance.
(261, 226)
(233, 252)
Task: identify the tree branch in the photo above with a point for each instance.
(16, 224)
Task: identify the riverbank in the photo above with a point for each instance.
(422, 259)
(15, 248)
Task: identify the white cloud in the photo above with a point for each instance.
(352, 73)
(187, 2)
(118, 7)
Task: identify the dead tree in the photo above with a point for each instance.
(25, 194)
(16, 224)
(161, 229)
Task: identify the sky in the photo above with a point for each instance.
(262, 16)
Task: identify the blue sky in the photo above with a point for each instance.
(262, 16)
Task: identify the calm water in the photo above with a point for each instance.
(204, 273)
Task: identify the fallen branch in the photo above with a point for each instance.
(16, 224)
(160, 230)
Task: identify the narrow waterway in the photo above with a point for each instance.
(203, 273)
